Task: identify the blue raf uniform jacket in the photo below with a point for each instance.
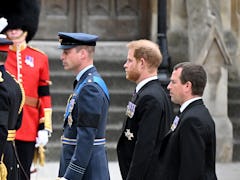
(83, 153)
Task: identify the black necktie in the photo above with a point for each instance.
(75, 83)
(134, 96)
(178, 113)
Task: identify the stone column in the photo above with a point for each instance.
(207, 47)
(235, 28)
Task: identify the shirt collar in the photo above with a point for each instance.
(185, 104)
(145, 81)
(83, 71)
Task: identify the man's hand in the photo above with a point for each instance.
(42, 138)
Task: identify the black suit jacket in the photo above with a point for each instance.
(188, 152)
(151, 120)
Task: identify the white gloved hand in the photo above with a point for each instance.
(3, 23)
(42, 138)
(62, 178)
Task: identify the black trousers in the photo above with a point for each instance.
(25, 152)
(11, 162)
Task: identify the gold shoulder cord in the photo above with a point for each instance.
(22, 91)
(23, 97)
(3, 169)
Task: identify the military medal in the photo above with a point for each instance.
(1, 79)
(175, 123)
(69, 108)
(130, 109)
(128, 134)
(71, 103)
(70, 120)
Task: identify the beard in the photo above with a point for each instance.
(132, 75)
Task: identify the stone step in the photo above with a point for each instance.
(234, 114)
(117, 97)
(236, 138)
(116, 115)
(233, 108)
(102, 65)
(113, 80)
(105, 50)
(233, 90)
(236, 127)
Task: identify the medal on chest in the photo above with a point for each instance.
(69, 108)
(175, 123)
(128, 134)
(130, 109)
(70, 120)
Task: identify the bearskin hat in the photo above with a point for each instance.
(22, 14)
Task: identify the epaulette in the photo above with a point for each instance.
(23, 96)
(36, 49)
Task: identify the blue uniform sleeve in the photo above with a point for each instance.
(89, 105)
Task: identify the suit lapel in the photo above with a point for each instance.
(181, 115)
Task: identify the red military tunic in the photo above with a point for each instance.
(31, 68)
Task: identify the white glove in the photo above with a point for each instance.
(42, 138)
(62, 178)
(3, 23)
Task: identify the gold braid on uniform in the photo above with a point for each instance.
(22, 91)
(23, 97)
(48, 119)
(3, 169)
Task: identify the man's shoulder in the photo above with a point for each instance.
(153, 86)
(36, 50)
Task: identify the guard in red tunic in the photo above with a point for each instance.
(31, 68)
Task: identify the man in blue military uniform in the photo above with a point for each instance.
(11, 103)
(83, 153)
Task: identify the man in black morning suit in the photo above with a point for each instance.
(188, 149)
(148, 114)
(11, 102)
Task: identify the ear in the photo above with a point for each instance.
(82, 53)
(188, 85)
(142, 61)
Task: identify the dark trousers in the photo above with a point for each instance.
(25, 152)
(11, 162)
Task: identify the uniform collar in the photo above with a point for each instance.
(83, 71)
(20, 47)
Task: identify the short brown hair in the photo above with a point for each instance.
(148, 50)
(195, 74)
(89, 49)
